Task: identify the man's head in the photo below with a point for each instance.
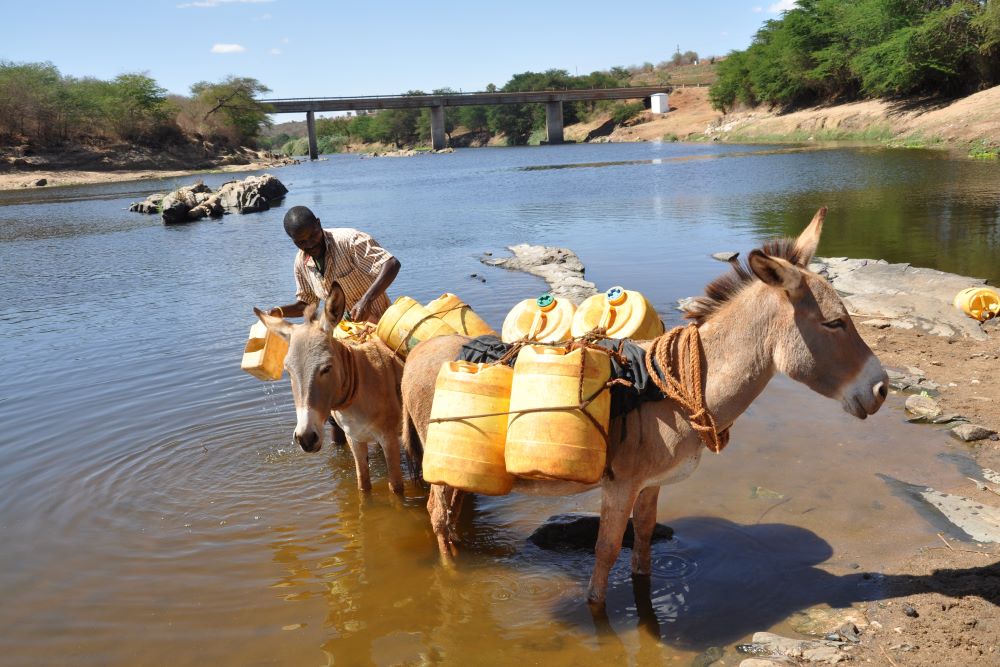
(304, 229)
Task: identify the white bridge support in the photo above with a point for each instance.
(311, 128)
(553, 122)
(439, 139)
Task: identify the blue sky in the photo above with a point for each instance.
(302, 48)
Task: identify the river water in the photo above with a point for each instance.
(154, 511)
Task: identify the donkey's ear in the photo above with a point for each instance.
(775, 271)
(309, 314)
(276, 325)
(336, 304)
(808, 241)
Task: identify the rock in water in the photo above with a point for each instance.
(725, 256)
(971, 432)
(922, 406)
(175, 206)
(150, 205)
(571, 532)
(254, 193)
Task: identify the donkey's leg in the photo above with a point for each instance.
(439, 510)
(455, 499)
(643, 522)
(360, 451)
(617, 500)
(390, 449)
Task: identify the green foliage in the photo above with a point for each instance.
(824, 49)
(983, 151)
(234, 100)
(624, 112)
(38, 104)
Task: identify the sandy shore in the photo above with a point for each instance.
(16, 180)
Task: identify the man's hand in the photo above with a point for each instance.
(360, 310)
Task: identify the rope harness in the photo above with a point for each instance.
(682, 385)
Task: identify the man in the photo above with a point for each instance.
(352, 258)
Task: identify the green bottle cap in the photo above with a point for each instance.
(545, 301)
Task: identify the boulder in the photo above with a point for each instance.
(175, 206)
(971, 432)
(560, 268)
(904, 296)
(252, 194)
(149, 206)
(193, 202)
(923, 406)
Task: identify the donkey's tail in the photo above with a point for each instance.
(413, 445)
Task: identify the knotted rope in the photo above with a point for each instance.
(682, 385)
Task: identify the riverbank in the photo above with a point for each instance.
(124, 163)
(971, 124)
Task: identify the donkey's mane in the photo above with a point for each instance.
(725, 288)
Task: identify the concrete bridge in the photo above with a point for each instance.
(552, 99)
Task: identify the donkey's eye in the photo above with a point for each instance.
(325, 369)
(838, 323)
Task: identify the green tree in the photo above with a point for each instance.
(232, 108)
(135, 106)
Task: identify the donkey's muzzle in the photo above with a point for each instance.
(308, 441)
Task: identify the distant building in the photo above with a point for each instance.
(659, 103)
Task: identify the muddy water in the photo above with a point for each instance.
(154, 512)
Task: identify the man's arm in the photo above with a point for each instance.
(291, 310)
(303, 295)
(384, 278)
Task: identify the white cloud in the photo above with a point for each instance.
(758, 9)
(217, 3)
(275, 52)
(782, 6)
(264, 17)
(228, 48)
(284, 40)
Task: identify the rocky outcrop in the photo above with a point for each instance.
(193, 202)
(252, 194)
(901, 296)
(559, 267)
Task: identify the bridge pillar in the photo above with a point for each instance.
(311, 127)
(438, 137)
(554, 122)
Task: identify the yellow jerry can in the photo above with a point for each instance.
(352, 332)
(407, 323)
(980, 303)
(545, 320)
(468, 454)
(264, 355)
(623, 313)
(563, 444)
(459, 316)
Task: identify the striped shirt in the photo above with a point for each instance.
(353, 258)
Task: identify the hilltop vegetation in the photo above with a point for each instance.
(843, 50)
(40, 108)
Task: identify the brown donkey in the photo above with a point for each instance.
(359, 384)
(773, 315)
